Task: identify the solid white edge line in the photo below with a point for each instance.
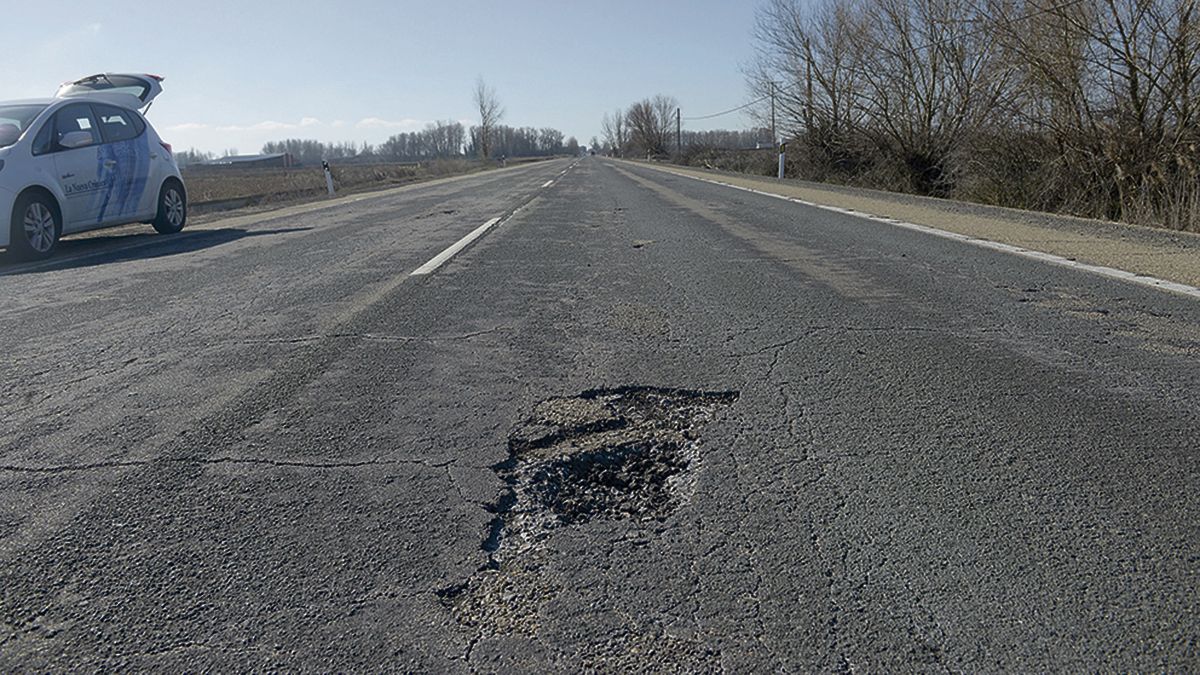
(1101, 270)
(457, 246)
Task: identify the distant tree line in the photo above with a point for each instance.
(648, 127)
(312, 152)
(726, 139)
(519, 142)
(1090, 107)
(193, 156)
(440, 140)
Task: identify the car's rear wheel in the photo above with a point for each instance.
(172, 208)
(36, 227)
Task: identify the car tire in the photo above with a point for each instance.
(36, 227)
(172, 208)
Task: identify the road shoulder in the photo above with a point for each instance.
(1163, 254)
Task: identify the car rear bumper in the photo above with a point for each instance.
(7, 201)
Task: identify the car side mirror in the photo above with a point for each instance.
(75, 139)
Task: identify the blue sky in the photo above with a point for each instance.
(242, 73)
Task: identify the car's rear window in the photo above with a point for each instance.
(14, 120)
(117, 124)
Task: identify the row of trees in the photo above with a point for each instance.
(1083, 106)
(646, 127)
(747, 139)
(506, 141)
(439, 140)
(650, 127)
(312, 152)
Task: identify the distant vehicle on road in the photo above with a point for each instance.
(83, 160)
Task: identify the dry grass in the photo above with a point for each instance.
(218, 188)
(1011, 176)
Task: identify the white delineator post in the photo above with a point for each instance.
(782, 154)
(329, 176)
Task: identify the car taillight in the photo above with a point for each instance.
(167, 147)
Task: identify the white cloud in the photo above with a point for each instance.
(272, 125)
(400, 125)
(188, 126)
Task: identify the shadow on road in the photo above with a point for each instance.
(104, 250)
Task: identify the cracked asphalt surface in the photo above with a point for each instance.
(262, 445)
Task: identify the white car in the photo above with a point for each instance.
(82, 160)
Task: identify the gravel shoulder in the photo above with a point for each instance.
(1170, 255)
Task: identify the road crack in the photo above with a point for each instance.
(369, 337)
(200, 461)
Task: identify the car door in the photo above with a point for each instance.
(124, 163)
(75, 143)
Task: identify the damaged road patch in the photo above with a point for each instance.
(623, 454)
(626, 453)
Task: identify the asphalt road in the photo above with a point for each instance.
(642, 423)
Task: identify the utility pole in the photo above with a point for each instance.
(678, 135)
(774, 135)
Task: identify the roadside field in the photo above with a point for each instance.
(212, 189)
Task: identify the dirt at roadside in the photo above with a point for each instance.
(217, 190)
(1166, 254)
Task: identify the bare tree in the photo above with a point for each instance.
(606, 128)
(550, 141)
(490, 114)
(615, 131)
(1090, 107)
(805, 65)
(1115, 84)
(651, 122)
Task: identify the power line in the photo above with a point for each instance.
(928, 45)
(731, 110)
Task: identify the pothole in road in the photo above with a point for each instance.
(624, 453)
(625, 481)
(434, 214)
(628, 453)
